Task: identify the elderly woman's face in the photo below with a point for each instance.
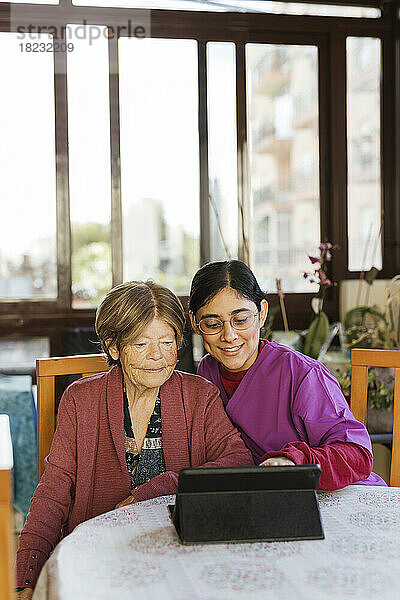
(148, 361)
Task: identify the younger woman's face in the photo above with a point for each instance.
(235, 349)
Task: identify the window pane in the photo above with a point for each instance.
(159, 160)
(263, 6)
(89, 167)
(222, 157)
(28, 254)
(282, 82)
(363, 151)
(18, 355)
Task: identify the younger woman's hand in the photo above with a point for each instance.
(277, 461)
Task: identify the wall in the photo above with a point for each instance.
(355, 293)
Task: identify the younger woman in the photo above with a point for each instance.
(288, 407)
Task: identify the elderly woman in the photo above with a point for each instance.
(123, 436)
(288, 407)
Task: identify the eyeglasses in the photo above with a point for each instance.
(241, 321)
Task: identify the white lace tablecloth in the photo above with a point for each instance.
(134, 553)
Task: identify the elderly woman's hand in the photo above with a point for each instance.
(277, 461)
(25, 594)
(126, 502)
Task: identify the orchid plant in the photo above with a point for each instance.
(320, 275)
(318, 331)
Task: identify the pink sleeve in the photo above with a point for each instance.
(342, 463)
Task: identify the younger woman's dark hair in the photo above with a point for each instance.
(215, 276)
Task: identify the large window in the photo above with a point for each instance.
(231, 133)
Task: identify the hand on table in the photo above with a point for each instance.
(26, 594)
(126, 502)
(277, 461)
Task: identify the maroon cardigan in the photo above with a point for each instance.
(86, 474)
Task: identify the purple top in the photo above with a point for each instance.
(286, 397)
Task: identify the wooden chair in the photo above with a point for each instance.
(47, 369)
(361, 359)
(7, 554)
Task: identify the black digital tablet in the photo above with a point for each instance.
(247, 504)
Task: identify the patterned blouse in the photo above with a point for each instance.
(149, 462)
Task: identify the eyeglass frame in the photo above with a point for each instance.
(222, 321)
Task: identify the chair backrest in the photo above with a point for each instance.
(7, 556)
(47, 369)
(361, 359)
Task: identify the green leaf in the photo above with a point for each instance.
(317, 335)
(356, 315)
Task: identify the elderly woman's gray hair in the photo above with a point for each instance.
(128, 308)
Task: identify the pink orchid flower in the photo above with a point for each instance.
(314, 259)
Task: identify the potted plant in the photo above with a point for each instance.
(380, 397)
(311, 341)
(369, 327)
